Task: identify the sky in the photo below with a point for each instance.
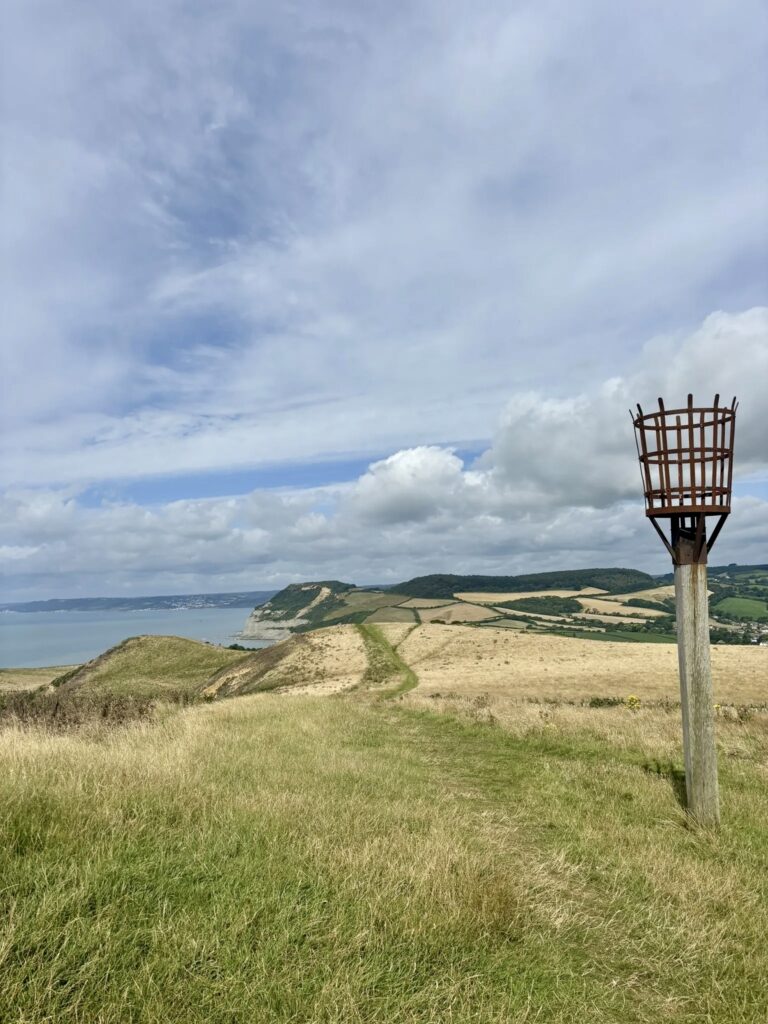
(365, 290)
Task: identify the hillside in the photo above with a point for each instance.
(612, 581)
(302, 607)
(148, 666)
(273, 860)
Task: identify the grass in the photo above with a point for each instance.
(742, 607)
(623, 636)
(267, 859)
(385, 664)
(150, 666)
(20, 679)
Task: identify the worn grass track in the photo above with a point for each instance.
(264, 860)
(386, 673)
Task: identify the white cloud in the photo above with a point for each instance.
(254, 235)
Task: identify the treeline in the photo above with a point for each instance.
(614, 581)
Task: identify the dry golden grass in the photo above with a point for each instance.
(608, 607)
(329, 661)
(486, 598)
(544, 616)
(12, 680)
(458, 612)
(395, 632)
(320, 662)
(654, 594)
(340, 862)
(653, 729)
(424, 602)
(392, 614)
(471, 661)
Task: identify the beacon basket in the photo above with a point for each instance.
(686, 465)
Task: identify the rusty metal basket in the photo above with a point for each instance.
(686, 462)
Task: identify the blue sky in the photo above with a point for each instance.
(279, 280)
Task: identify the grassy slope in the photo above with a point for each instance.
(743, 607)
(148, 666)
(272, 860)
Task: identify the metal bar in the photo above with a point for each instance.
(718, 444)
(730, 449)
(667, 545)
(701, 536)
(703, 454)
(661, 444)
(691, 463)
(644, 460)
(716, 531)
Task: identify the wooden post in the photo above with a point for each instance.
(692, 612)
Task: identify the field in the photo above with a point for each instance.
(19, 679)
(393, 823)
(265, 860)
(507, 663)
(491, 598)
(458, 612)
(743, 608)
(606, 607)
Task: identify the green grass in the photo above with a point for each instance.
(742, 607)
(544, 605)
(385, 666)
(624, 636)
(150, 666)
(295, 860)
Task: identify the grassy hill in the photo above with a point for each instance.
(613, 581)
(148, 666)
(123, 683)
(272, 860)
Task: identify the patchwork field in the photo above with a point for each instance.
(610, 607)
(389, 614)
(424, 602)
(458, 612)
(490, 598)
(655, 594)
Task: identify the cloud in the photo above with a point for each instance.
(251, 234)
(255, 235)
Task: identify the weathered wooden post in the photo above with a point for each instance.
(686, 462)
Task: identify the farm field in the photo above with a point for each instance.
(608, 607)
(515, 664)
(392, 614)
(743, 608)
(656, 594)
(491, 598)
(458, 612)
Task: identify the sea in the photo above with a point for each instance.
(38, 639)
